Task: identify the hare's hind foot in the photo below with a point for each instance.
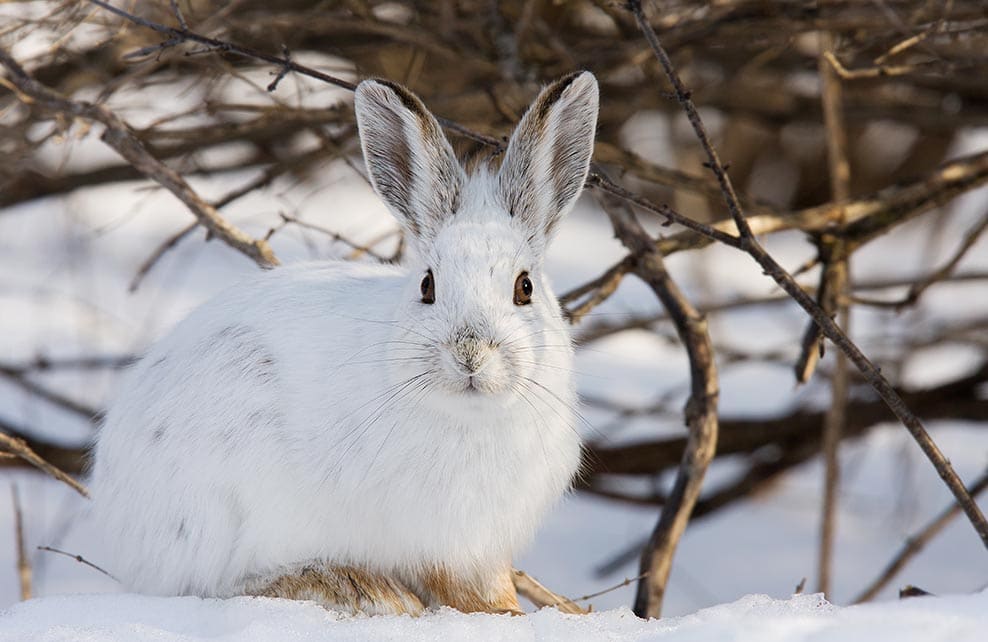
(345, 589)
(441, 588)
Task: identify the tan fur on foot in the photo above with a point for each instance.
(346, 589)
(474, 595)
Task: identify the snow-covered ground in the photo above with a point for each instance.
(65, 265)
(754, 618)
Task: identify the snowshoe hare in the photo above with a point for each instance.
(378, 439)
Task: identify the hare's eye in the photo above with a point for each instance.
(523, 289)
(428, 288)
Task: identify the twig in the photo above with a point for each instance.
(281, 72)
(595, 179)
(78, 558)
(42, 363)
(178, 14)
(914, 544)
(18, 378)
(363, 249)
(749, 244)
(540, 596)
(627, 582)
(148, 264)
(600, 289)
(20, 448)
(880, 71)
(918, 287)
(23, 564)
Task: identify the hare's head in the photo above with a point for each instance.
(479, 309)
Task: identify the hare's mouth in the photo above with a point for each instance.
(478, 386)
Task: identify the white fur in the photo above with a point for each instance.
(322, 411)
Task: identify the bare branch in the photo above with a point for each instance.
(119, 136)
(749, 244)
(914, 544)
(700, 412)
(20, 448)
(835, 281)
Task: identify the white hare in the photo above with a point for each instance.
(379, 439)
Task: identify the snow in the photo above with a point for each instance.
(757, 618)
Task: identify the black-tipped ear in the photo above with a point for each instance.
(411, 163)
(548, 157)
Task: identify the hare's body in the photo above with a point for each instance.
(244, 458)
(380, 439)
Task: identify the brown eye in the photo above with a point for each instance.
(523, 289)
(428, 288)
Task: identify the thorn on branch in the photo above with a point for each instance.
(178, 15)
(285, 68)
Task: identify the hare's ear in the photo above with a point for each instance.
(547, 159)
(411, 163)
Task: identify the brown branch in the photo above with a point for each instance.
(700, 412)
(749, 244)
(20, 448)
(916, 543)
(118, 135)
(834, 283)
(599, 289)
(530, 588)
(23, 564)
(878, 71)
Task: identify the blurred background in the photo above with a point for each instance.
(96, 260)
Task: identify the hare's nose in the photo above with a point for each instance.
(471, 354)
